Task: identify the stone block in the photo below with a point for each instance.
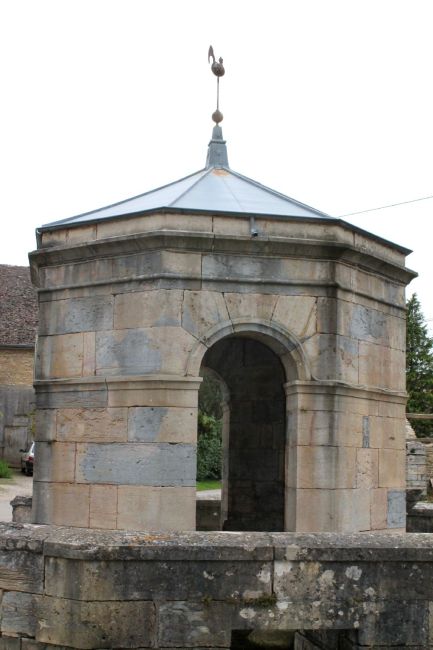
(202, 310)
(250, 306)
(76, 315)
(333, 357)
(152, 222)
(140, 309)
(231, 226)
(156, 508)
(381, 366)
(379, 509)
(89, 354)
(92, 425)
(18, 613)
(392, 468)
(161, 393)
(21, 570)
(59, 356)
(45, 424)
(103, 506)
(55, 462)
(396, 509)
(162, 424)
(88, 395)
(326, 467)
(143, 351)
(13, 643)
(395, 625)
(367, 468)
(315, 510)
(297, 314)
(189, 624)
(352, 509)
(136, 464)
(387, 432)
(325, 428)
(96, 624)
(197, 578)
(61, 504)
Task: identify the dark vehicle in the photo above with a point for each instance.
(27, 460)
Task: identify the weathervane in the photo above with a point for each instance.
(218, 70)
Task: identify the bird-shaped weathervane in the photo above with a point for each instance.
(218, 70)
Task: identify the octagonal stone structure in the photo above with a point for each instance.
(301, 316)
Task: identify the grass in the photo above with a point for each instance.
(5, 470)
(208, 485)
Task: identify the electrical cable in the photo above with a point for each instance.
(383, 207)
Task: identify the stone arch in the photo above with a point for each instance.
(274, 335)
(255, 368)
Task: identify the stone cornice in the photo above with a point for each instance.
(206, 243)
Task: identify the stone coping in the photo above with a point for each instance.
(87, 544)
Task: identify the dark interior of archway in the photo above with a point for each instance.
(254, 376)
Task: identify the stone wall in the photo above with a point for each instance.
(126, 319)
(66, 588)
(16, 366)
(416, 468)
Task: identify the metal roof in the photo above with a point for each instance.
(216, 189)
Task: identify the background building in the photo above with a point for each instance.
(18, 323)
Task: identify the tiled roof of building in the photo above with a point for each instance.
(18, 306)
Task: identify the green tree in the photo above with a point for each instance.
(419, 367)
(209, 430)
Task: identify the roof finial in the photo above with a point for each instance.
(218, 70)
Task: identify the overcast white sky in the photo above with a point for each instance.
(328, 101)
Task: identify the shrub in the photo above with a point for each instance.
(208, 447)
(5, 470)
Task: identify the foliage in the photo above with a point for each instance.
(209, 430)
(210, 397)
(5, 470)
(419, 367)
(208, 447)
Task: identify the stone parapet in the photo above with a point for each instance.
(69, 588)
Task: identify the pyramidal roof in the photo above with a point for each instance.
(214, 189)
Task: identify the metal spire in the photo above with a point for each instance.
(217, 152)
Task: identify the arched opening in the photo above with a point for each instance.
(253, 432)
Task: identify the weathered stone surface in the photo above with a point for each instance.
(21, 570)
(189, 624)
(62, 504)
(143, 351)
(92, 425)
(160, 580)
(326, 467)
(96, 624)
(59, 356)
(55, 462)
(136, 463)
(203, 309)
(11, 643)
(103, 506)
(399, 621)
(76, 315)
(250, 305)
(297, 313)
(392, 468)
(139, 309)
(19, 613)
(162, 424)
(396, 509)
(141, 507)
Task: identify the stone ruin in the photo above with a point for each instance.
(301, 317)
